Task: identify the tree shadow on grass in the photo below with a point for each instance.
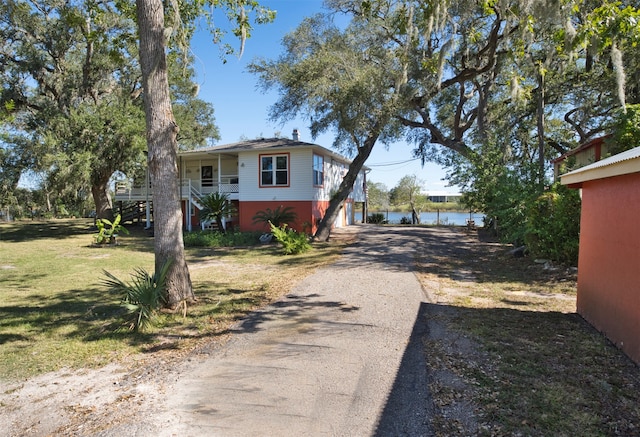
(510, 372)
(454, 254)
(527, 373)
(57, 229)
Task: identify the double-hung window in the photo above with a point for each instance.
(274, 170)
(318, 170)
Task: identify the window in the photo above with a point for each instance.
(274, 170)
(318, 170)
(206, 175)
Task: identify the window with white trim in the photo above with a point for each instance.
(274, 170)
(318, 170)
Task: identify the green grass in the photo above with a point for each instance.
(55, 312)
(530, 365)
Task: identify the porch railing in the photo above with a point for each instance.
(126, 190)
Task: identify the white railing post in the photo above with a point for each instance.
(189, 205)
(219, 172)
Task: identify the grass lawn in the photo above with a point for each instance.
(517, 354)
(55, 313)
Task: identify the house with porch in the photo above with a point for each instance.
(257, 175)
(609, 257)
(587, 153)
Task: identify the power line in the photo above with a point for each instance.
(388, 164)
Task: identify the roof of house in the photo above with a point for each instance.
(584, 146)
(263, 144)
(623, 163)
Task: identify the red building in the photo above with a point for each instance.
(609, 258)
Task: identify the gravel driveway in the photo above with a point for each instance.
(339, 356)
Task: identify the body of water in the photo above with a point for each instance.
(433, 217)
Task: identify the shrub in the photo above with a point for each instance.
(141, 298)
(216, 207)
(553, 225)
(292, 242)
(376, 218)
(405, 221)
(219, 239)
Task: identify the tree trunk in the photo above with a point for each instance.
(324, 228)
(540, 123)
(415, 217)
(221, 227)
(162, 158)
(100, 193)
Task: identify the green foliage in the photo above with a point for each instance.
(108, 230)
(501, 192)
(219, 239)
(553, 225)
(376, 218)
(407, 191)
(626, 130)
(277, 217)
(292, 242)
(216, 207)
(141, 298)
(377, 196)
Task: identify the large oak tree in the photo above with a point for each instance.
(72, 72)
(496, 85)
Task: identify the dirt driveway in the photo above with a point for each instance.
(342, 354)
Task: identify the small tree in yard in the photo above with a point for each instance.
(292, 242)
(216, 207)
(408, 191)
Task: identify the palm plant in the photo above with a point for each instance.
(141, 297)
(277, 217)
(215, 207)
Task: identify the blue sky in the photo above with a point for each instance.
(242, 110)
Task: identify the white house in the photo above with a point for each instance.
(260, 174)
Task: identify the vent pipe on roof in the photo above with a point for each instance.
(296, 135)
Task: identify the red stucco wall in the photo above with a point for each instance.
(304, 210)
(609, 262)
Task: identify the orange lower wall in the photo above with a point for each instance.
(609, 262)
(308, 212)
(303, 209)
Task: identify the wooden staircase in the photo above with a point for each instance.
(132, 212)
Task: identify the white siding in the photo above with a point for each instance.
(334, 173)
(358, 188)
(300, 177)
(300, 188)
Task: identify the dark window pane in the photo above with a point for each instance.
(267, 178)
(281, 162)
(267, 163)
(281, 178)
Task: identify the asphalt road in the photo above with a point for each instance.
(340, 356)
